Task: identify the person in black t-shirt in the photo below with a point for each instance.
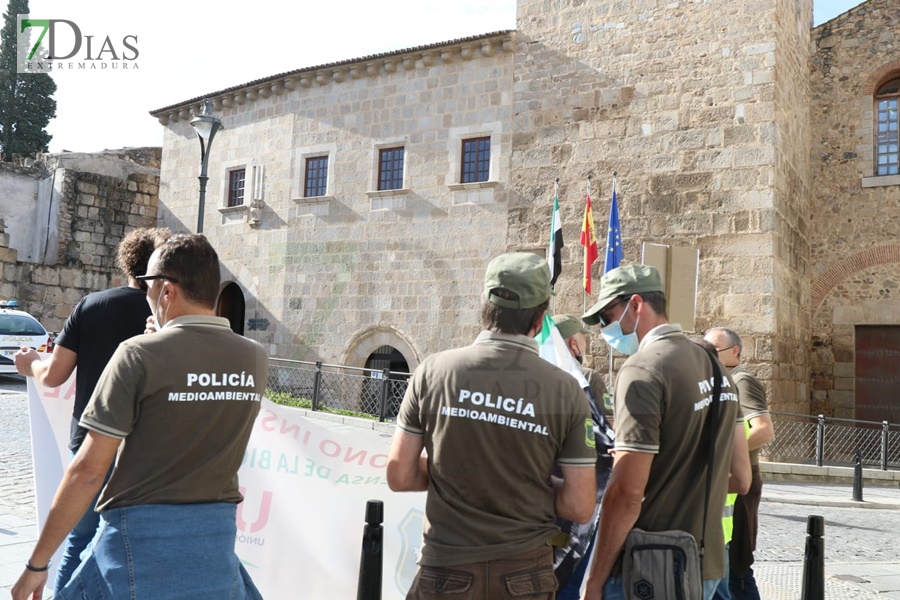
(89, 338)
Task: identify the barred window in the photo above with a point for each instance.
(316, 183)
(476, 159)
(390, 169)
(236, 180)
(887, 157)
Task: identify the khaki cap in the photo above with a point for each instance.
(525, 274)
(569, 325)
(623, 281)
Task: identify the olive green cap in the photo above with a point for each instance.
(569, 325)
(623, 281)
(525, 274)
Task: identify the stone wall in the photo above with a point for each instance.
(789, 302)
(98, 211)
(333, 274)
(855, 216)
(86, 203)
(690, 105)
(19, 205)
(51, 292)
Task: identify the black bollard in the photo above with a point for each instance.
(814, 560)
(369, 586)
(858, 477)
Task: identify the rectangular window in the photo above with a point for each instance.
(476, 159)
(390, 169)
(887, 159)
(236, 180)
(316, 183)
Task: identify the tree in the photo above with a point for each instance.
(26, 99)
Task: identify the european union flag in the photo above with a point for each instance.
(613, 236)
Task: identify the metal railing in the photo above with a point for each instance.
(321, 386)
(804, 439)
(822, 440)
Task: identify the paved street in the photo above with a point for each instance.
(861, 547)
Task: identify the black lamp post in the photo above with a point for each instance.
(206, 126)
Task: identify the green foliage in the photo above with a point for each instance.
(300, 402)
(26, 99)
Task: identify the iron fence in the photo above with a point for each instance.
(804, 439)
(822, 440)
(321, 386)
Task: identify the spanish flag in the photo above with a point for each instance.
(589, 241)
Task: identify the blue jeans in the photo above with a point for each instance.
(743, 588)
(613, 590)
(77, 542)
(722, 591)
(163, 552)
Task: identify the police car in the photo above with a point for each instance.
(17, 329)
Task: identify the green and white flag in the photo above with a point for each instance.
(554, 251)
(553, 350)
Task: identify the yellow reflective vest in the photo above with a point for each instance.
(728, 511)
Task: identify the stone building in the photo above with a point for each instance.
(355, 204)
(854, 301)
(325, 260)
(64, 215)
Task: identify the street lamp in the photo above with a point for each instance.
(206, 126)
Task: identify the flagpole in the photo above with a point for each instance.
(552, 217)
(584, 291)
(612, 383)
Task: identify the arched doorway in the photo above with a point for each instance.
(387, 357)
(231, 306)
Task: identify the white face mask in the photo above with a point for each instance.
(624, 343)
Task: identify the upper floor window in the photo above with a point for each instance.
(476, 159)
(390, 168)
(236, 180)
(887, 157)
(316, 183)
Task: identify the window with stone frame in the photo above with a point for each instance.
(316, 179)
(476, 159)
(236, 179)
(887, 132)
(390, 168)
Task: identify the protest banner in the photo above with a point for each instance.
(305, 490)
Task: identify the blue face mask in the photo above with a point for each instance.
(624, 343)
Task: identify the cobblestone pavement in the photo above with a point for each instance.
(861, 547)
(16, 487)
(862, 554)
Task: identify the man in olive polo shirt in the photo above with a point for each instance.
(174, 410)
(661, 453)
(752, 396)
(494, 418)
(575, 335)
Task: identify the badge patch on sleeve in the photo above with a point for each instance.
(589, 433)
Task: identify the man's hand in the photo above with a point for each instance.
(151, 327)
(30, 586)
(24, 360)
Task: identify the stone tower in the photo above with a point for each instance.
(702, 109)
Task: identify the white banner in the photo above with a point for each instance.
(305, 491)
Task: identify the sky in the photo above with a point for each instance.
(187, 49)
